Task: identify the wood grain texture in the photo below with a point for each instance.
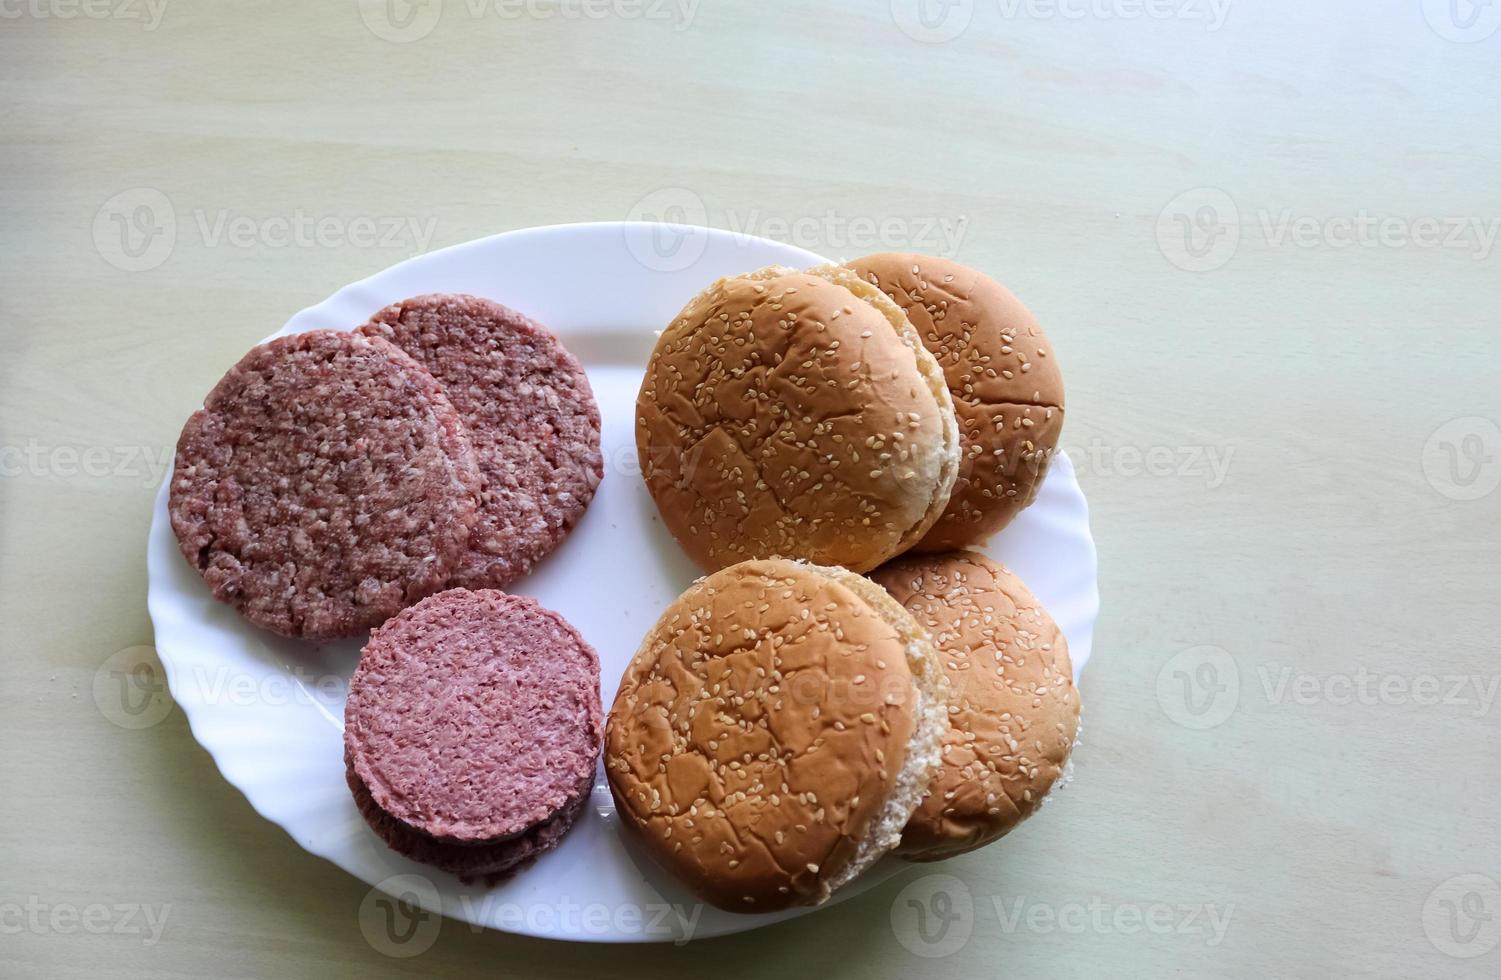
(1276, 448)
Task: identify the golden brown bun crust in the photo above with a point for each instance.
(759, 730)
(783, 415)
(1013, 707)
(981, 333)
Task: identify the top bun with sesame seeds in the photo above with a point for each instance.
(795, 415)
(1013, 708)
(774, 733)
(1004, 378)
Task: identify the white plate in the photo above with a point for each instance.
(270, 710)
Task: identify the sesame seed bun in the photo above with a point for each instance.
(774, 733)
(1013, 708)
(1004, 379)
(796, 415)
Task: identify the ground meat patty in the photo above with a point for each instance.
(326, 483)
(474, 716)
(531, 416)
(491, 863)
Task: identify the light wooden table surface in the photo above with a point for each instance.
(1263, 236)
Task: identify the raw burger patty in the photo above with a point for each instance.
(531, 416)
(474, 716)
(326, 483)
(490, 862)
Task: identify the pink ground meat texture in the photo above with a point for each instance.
(531, 416)
(474, 716)
(491, 863)
(326, 483)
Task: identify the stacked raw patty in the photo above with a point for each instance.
(471, 731)
(333, 478)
